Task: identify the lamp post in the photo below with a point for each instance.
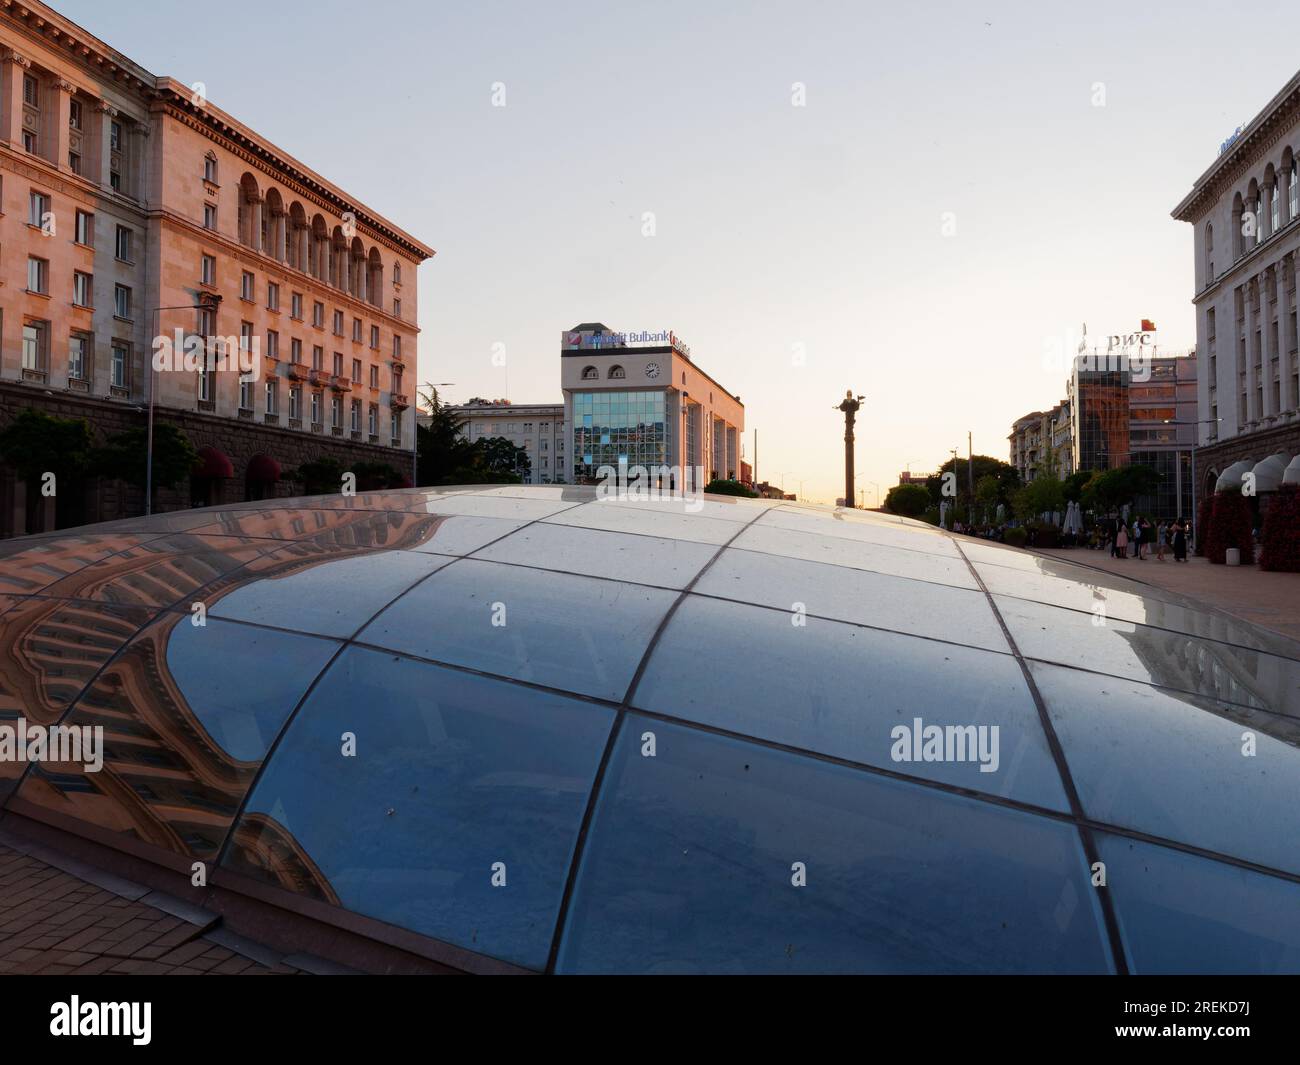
(849, 406)
(205, 301)
(1195, 518)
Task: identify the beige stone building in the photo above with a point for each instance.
(134, 208)
(538, 428)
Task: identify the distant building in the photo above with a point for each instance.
(640, 400)
(538, 428)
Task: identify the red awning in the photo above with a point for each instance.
(212, 463)
(263, 468)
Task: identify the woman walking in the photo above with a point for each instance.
(1162, 539)
(1121, 541)
(1180, 541)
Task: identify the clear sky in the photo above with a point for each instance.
(775, 225)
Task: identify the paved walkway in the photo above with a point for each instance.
(1247, 592)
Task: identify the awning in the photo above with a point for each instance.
(212, 463)
(263, 468)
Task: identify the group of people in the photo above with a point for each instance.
(1134, 540)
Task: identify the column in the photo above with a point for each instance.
(59, 136)
(301, 236)
(1285, 306)
(1252, 324)
(107, 115)
(255, 209)
(11, 91)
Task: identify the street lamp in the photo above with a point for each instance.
(205, 301)
(1196, 523)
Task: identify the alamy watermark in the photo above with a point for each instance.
(22, 742)
(192, 352)
(652, 484)
(920, 742)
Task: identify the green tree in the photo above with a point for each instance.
(1041, 495)
(722, 486)
(124, 456)
(35, 443)
(1008, 479)
(910, 500)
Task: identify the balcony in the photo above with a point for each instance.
(340, 384)
(319, 378)
(318, 427)
(398, 401)
(298, 372)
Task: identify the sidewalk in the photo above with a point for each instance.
(1246, 592)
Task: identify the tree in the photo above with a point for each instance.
(497, 455)
(1279, 547)
(124, 456)
(982, 466)
(1042, 495)
(1074, 484)
(35, 443)
(1109, 490)
(1230, 526)
(910, 500)
(721, 486)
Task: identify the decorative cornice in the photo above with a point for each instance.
(11, 56)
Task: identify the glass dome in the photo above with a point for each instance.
(530, 728)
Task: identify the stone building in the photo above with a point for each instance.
(133, 209)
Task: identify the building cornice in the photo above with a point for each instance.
(1255, 141)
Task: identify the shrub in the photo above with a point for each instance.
(1014, 537)
(1279, 547)
(1204, 510)
(720, 486)
(910, 500)
(1230, 526)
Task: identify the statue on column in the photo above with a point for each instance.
(850, 407)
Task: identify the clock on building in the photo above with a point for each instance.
(652, 369)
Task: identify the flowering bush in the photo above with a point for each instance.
(1279, 547)
(1230, 526)
(1203, 522)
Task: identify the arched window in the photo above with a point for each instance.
(1275, 207)
(616, 373)
(1259, 216)
(1237, 229)
(590, 373)
(1293, 193)
(210, 167)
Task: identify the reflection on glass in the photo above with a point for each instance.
(1179, 913)
(1171, 765)
(29, 566)
(523, 623)
(187, 713)
(843, 691)
(692, 857)
(456, 779)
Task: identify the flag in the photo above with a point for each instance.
(1148, 326)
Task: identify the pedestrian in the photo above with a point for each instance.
(1180, 541)
(1147, 533)
(1121, 541)
(1162, 539)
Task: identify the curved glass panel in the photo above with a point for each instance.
(1179, 913)
(1176, 766)
(692, 859)
(926, 538)
(187, 713)
(857, 694)
(555, 629)
(457, 780)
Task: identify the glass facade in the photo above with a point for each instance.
(613, 428)
(1099, 400)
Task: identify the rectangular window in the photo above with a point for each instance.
(121, 363)
(372, 421)
(80, 346)
(82, 287)
(35, 336)
(247, 285)
(295, 403)
(397, 308)
(38, 209)
(272, 396)
(29, 142)
(122, 247)
(210, 169)
(74, 162)
(356, 416)
(122, 301)
(338, 364)
(374, 376)
(272, 296)
(397, 346)
(295, 306)
(336, 413)
(208, 269)
(74, 114)
(84, 231)
(246, 336)
(338, 323)
(245, 393)
(115, 136)
(356, 330)
(317, 357)
(295, 351)
(356, 371)
(374, 337)
(273, 343)
(115, 181)
(31, 92)
(397, 273)
(38, 275)
(397, 428)
(209, 216)
(315, 408)
(318, 314)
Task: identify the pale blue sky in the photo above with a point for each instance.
(776, 225)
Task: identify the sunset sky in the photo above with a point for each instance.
(778, 229)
